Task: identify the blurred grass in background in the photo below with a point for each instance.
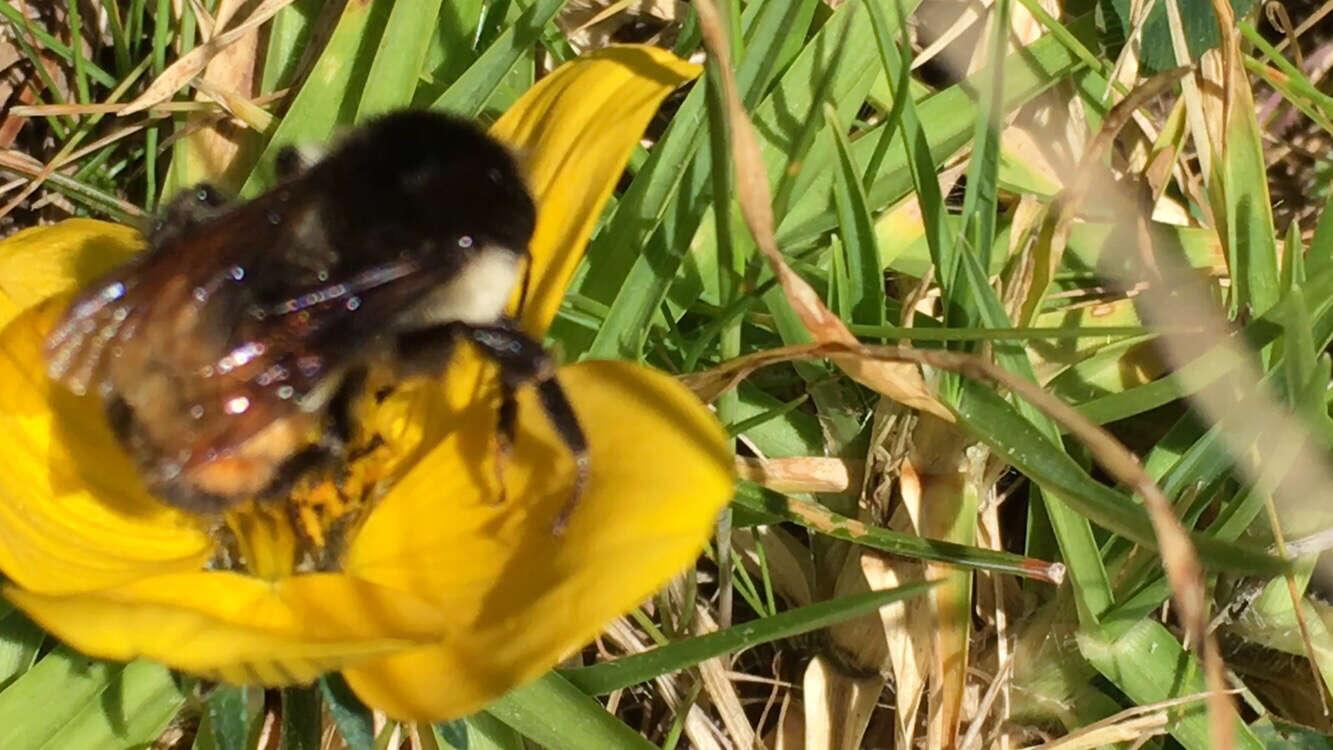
(942, 176)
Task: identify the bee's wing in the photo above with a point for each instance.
(294, 356)
(172, 334)
(238, 322)
(163, 289)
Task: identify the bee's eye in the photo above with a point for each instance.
(495, 175)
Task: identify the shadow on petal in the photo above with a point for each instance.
(42, 262)
(520, 598)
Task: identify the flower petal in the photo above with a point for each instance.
(73, 513)
(45, 261)
(518, 597)
(237, 628)
(575, 131)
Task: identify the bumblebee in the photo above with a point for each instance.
(228, 354)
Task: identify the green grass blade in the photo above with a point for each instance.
(979, 202)
(1293, 258)
(740, 427)
(951, 114)
(1320, 255)
(1208, 367)
(1299, 351)
(75, 17)
(288, 35)
(1247, 210)
(1149, 665)
(396, 70)
(49, 43)
(916, 153)
(301, 722)
(20, 638)
(468, 95)
(133, 711)
(557, 715)
(797, 434)
(996, 423)
(632, 670)
(798, 150)
(733, 246)
(1073, 532)
(478, 732)
(674, 183)
(67, 700)
(229, 717)
(119, 43)
(355, 724)
(1273, 732)
(134, 24)
(161, 29)
(865, 293)
(838, 526)
(1296, 85)
(95, 199)
(452, 47)
(1202, 464)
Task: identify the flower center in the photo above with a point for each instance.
(395, 423)
(308, 530)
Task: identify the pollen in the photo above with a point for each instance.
(307, 530)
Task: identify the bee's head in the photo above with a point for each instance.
(423, 175)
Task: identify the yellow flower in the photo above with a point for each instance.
(447, 595)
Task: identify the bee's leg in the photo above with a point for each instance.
(187, 498)
(522, 361)
(315, 459)
(342, 422)
(331, 450)
(120, 417)
(567, 426)
(425, 352)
